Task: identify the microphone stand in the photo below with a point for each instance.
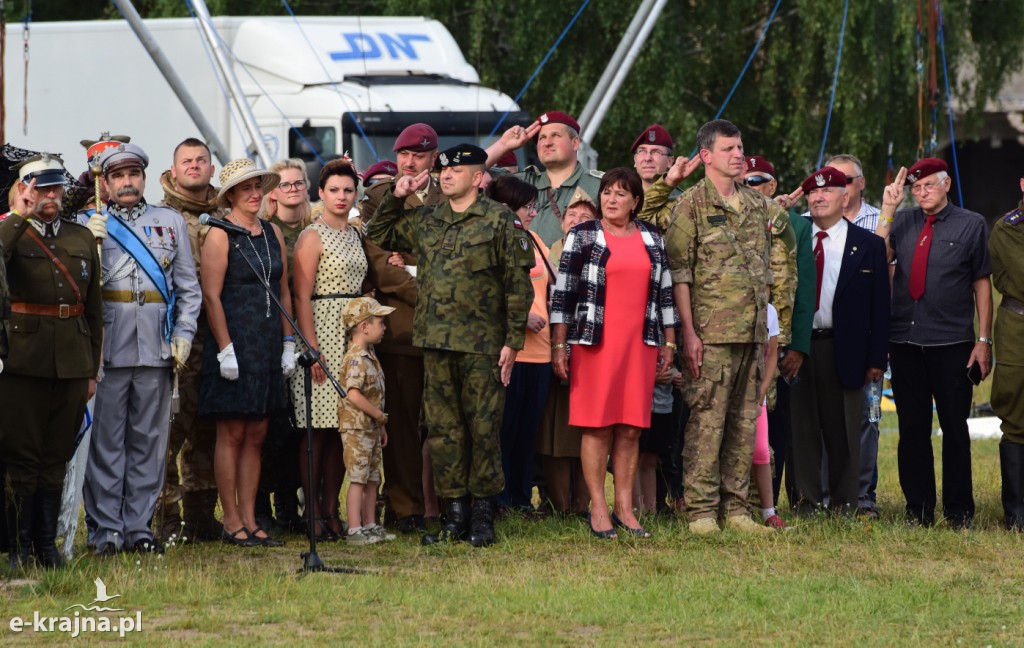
(311, 561)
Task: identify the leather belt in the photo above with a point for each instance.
(821, 334)
(60, 311)
(1012, 305)
(336, 296)
(127, 296)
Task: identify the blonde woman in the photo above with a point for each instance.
(287, 206)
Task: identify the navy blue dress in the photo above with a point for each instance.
(260, 388)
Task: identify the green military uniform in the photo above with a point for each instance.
(1006, 247)
(727, 257)
(191, 437)
(474, 298)
(56, 331)
(552, 203)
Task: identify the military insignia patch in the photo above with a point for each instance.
(819, 180)
(443, 159)
(544, 118)
(524, 245)
(911, 178)
(753, 163)
(1014, 217)
(518, 224)
(85, 270)
(651, 136)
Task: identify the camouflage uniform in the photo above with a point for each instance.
(548, 223)
(360, 434)
(190, 436)
(474, 298)
(728, 259)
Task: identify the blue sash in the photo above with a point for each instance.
(130, 242)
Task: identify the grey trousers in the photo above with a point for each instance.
(868, 456)
(127, 454)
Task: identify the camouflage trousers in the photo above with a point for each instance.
(190, 436)
(719, 440)
(463, 403)
(362, 455)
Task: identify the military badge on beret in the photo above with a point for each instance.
(544, 118)
(819, 180)
(443, 159)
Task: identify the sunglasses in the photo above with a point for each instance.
(756, 181)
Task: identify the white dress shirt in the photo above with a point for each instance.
(833, 247)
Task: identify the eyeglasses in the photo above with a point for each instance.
(654, 153)
(756, 181)
(530, 206)
(850, 179)
(926, 187)
(298, 185)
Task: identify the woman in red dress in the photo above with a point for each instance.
(613, 305)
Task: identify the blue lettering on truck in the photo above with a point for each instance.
(363, 45)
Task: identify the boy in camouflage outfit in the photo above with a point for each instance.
(361, 417)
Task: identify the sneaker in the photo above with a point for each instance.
(744, 524)
(381, 532)
(775, 522)
(704, 526)
(362, 537)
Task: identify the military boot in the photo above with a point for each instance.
(19, 526)
(481, 532)
(286, 505)
(45, 516)
(200, 523)
(168, 519)
(1011, 464)
(455, 526)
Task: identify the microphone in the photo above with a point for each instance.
(225, 225)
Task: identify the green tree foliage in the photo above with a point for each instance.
(692, 58)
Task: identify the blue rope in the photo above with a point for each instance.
(746, 65)
(333, 83)
(949, 106)
(540, 66)
(835, 84)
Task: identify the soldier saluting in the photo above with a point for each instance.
(471, 310)
(56, 330)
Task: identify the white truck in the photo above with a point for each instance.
(318, 87)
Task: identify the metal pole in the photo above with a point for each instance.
(234, 87)
(177, 85)
(615, 73)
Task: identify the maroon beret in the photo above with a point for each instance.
(556, 117)
(655, 134)
(824, 177)
(508, 160)
(386, 167)
(756, 163)
(418, 138)
(924, 168)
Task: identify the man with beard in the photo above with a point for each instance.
(151, 301)
(55, 337)
(188, 191)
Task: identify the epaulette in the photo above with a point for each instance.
(1014, 217)
(596, 174)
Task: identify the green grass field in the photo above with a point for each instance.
(826, 582)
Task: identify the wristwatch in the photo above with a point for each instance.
(986, 340)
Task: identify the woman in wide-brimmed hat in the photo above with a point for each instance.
(244, 371)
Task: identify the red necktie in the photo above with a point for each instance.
(919, 267)
(819, 261)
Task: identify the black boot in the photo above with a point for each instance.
(286, 506)
(482, 527)
(1011, 464)
(200, 523)
(456, 523)
(45, 516)
(19, 526)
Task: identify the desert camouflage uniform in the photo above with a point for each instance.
(360, 434)
(474, 298)
(728, 259)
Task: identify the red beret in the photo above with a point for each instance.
(824, 177)
(556, 117)
(756, 163)
(655, 134)
(418, 138)
(386, 167)
(508, 160)
(924, 168)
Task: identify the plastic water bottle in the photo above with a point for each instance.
(875, 401)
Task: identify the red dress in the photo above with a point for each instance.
(613, 382)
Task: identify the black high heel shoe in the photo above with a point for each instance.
(603, 535)
(639, 532)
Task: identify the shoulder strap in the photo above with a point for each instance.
(544, 257)
(31, 232)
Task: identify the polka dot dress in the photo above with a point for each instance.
(341, 270)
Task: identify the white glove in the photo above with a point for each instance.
(228, 363)
(288, 359)
(180, 348)
(98, 225)
(1, 366)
